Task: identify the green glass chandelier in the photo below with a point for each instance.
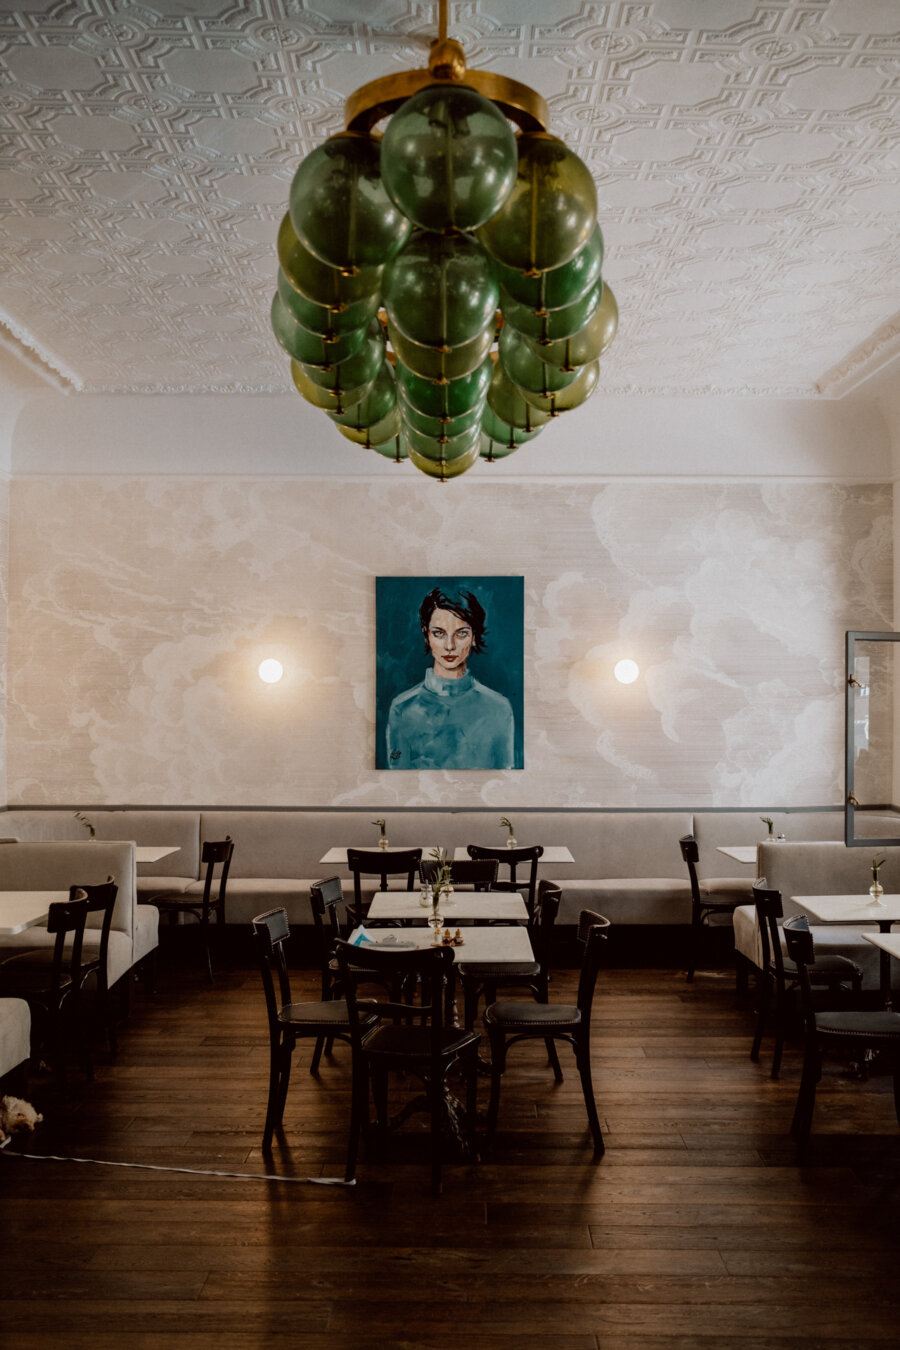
(439, 285)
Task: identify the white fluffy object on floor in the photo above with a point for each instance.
(16, 1115)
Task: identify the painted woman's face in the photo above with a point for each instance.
(450, 640)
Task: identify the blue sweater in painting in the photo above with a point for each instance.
(450, 724)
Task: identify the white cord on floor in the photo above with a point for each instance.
(190, 1171)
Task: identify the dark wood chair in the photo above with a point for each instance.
(513, 858)
(486, 981)
(779, 978)
(290, 1022)
(843, 1030)
(703, 907)
(208, 906)
(53, 980)
(380, 864)
(416, 1038)
(480, 875)
(510, 1021)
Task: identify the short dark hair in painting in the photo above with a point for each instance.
(464, 605)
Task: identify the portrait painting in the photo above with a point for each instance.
(449, 680)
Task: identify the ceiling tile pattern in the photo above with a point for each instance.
(746, 154)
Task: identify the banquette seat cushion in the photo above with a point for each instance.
(15, 1033)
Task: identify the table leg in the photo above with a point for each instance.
(884, 967)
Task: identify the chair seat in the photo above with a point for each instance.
(825, 967)
(330, 1012)
(863, 1026)
(500, 970)
(19, 976)
(414, 1043)
(526, 1015)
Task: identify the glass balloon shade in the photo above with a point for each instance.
(437, 426)
(564, 400)
(337, 400)
(380, 400)
(526, 369)
(340, 208)
(444, 469)
(550, 213)
(553, 324)
(508, 402)
(448, 158)
(317, 281)
(503, 433)
(559, 286)
(489, 449)
(312, 349)
(450, 399)
(432, 447)
(372, 434)
(394, 450)
(436, 363)
(360, 368)
(441, 291)
(589, 342)
(321, 319)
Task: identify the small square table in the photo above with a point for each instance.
(337, 856)
(858, 909)
(742, 853)
(151, 853)
(26, 909)
(495, 905)
(553, 853)
(505, 942)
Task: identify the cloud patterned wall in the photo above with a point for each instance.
(140, 608)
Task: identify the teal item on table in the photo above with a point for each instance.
(450, 724)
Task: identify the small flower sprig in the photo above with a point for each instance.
(442, 877)
(769, 823)
(83, 820)
(505, 820)
(382, 827)
(876, 863)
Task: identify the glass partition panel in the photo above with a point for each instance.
(872, 814)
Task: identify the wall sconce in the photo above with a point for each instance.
(270, 671)
(627, 671)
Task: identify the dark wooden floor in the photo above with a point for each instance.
(697, 1229)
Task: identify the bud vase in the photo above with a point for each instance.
(876, 890)
(383, 842)
(511, 841)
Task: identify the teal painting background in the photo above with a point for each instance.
(401, 659)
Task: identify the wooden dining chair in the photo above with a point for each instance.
(476, 875)
(705, 906)
(412, 1037)
(381, 864)
(54, 980)
(290, 1022)
(508, 1022)
(851, 1030)
(208, 905)
(779, 978)
(513, 858)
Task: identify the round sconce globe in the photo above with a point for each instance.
(270, 671)
(626, 672)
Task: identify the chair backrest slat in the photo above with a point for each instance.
(513, 858)
(593, 930)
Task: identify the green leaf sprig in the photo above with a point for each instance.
(505, 820)
(83, 820)
(876, 863)
(382, 825)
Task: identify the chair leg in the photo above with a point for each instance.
(762, 1015)
(436, 1103)
(205, 927)
(358, 1105)
(498, 1064)
(896, 1072)
(806, 1096)
(780, 1030)
(279, 1078)
(316, 1055)
(583, 1056)
(695, 945)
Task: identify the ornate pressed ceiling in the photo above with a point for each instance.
(746, 155)
(420, 235)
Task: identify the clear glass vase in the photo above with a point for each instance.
(876, 890)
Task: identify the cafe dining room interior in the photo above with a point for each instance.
(634, 363)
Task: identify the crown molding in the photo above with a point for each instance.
(866, 360)
(36, 358)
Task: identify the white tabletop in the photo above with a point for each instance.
(338, 854)
(151, 853)
(553, 853)
(506, 942)
(850, 908)
(888, 942)
(742, 853)
(503, 905)
(26, 909)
